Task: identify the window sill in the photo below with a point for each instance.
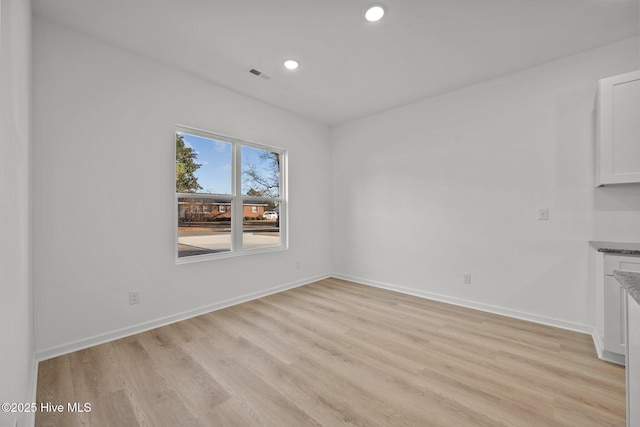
(230, 254)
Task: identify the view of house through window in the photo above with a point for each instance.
(228, 195)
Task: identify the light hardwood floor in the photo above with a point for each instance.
(337, 353)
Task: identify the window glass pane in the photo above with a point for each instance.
(260, 229)
(260, 172)
(203, 165)
(204, 226)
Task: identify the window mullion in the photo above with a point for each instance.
(236, 225)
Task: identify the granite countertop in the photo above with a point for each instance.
(617, 248)
(630, 281)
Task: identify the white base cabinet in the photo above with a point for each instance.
(615, 312)
(611, 307)
(633, 362)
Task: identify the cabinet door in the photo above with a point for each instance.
(633, 363)
(618, 155)
(615, 311)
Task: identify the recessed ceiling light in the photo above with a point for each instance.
(291, 64)
(374, 13)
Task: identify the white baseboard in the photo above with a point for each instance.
(146, 326)
(121, 333)
(605, 355)
(562, 324)
(618, 359)
(597, 343)
(30, 417)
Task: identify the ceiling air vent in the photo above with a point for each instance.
(259, 74)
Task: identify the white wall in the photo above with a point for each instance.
(452, 185)
(104, 192)
(17, 364)
(617, 213)
(418, 195)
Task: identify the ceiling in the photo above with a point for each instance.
(349, 68)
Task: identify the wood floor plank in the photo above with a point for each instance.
(336, 353)
(183, 374)
(113, 406)
(266, 401)
(156, 403)
(55, 387)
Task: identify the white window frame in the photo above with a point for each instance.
(236, 199)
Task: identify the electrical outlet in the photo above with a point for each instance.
(543, 214)
(134, 297)
(467, 278)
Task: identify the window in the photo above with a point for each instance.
(230, 196)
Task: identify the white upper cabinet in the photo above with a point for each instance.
(618, 130)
